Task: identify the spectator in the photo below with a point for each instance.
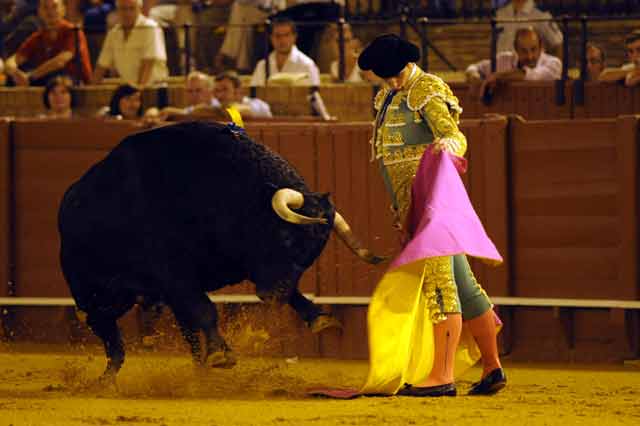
(352, 48)
(198, 92)
(58, 97)
(595, 61)
(286, 58)
(629, 72)
(530, 62)
(134, 47)
(201, 103)
(524, 10)
(16, 25)
(237, 46)
(227, 91)
(125, 103)
(199, 89)
(50, 51)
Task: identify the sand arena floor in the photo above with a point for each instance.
(52, 386)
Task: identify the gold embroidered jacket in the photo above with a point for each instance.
(423, 111)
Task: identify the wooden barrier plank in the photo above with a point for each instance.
(626, 137)
(488, 171)
(326, 182)
(298, 147)
(564, 244)
(344, 191)
(5, 194)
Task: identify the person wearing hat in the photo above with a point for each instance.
(416, 312)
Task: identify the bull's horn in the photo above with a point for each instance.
(284, 200)
(344, 232)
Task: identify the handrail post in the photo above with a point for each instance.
(341, 51)
(424, 22)
(578, 87)
(494, 44)
(187, 48)
(560, 84)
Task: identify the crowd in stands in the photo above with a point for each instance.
(45, 43)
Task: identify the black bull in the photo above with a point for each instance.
(177, 211)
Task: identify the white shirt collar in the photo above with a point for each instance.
(293, 55)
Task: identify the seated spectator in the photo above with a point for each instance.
(290, 64)
(134, 47)
(50, 51)
(198, 92)
(352, 48)
(227, 91)
(125, 104)
(285, 58)
(200, 103)
(529, 62)
(312, 16)
(58, 98)
(16, 25)
(595, 61)
(629, 72)
(525, 10)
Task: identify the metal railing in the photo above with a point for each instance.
(421, 28)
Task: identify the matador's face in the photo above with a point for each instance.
(397, 82)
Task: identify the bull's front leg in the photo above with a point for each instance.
(316, 319)
(194, 312)
(106, 328)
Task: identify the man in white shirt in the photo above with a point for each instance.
(286, 58)
(227, 93)
(523, 10)
(629, 72)
(134, 47)
(529, 62)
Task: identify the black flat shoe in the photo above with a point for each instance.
(429, 391)
(492, 383)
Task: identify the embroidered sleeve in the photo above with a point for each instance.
(444, 125)
(434, 99)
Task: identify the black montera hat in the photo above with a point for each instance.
(387, 55)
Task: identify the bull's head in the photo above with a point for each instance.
(286, 199)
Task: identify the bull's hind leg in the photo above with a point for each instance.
(107, 330)
(311, 313)
(194, 311)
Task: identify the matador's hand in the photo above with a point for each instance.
(445, 144)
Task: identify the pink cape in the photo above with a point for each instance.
(441, 220)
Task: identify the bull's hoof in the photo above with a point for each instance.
(221, 359)
(323, 322)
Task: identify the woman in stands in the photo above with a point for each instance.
(125, 104)
(58, 98)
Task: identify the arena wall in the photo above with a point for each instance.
(557, 197)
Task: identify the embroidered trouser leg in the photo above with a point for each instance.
(451, 287)
(439, 288)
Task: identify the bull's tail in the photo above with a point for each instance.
(342, 228)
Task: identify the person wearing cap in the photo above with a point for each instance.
(416, 312)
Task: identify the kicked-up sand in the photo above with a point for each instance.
(55, 386)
